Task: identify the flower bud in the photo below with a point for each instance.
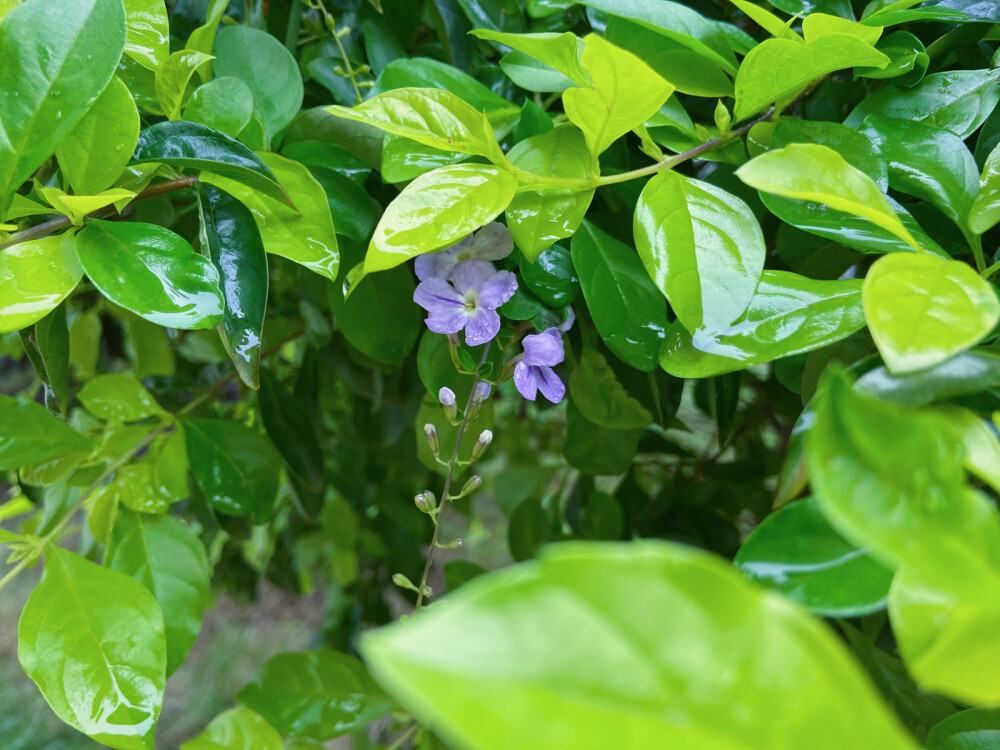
(431, 433)
(479, 395)
(403, 582)
(425, 501)
(485, 438)
(447, 398)
(453, 544)
(472, 485)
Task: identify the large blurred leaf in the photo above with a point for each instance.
(30, 434)
(236, 729)
(975, 729)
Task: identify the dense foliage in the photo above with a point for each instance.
(375, 296)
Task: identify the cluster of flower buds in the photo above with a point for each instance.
(425, 501)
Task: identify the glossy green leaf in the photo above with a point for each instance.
(538, 218)
(233, 242)
(985, 211)
(797, 552)
(777, 69)
(432, 117)
(767, 20)
(168, 559)
(551, 277)
(560, 52)
(269, 69)
(93, 641)
(31, 435)
(789, 314)
(956, 100)
(195, 146)
(152, 272)
(624, 93)
(118, 397)
(437, 210)
(236, 729)
(811, 172)
(908, 59)
(701, 246)
(224, 104)
(52, 340)
(95, 153)
(974, 729)
(305, 236)
(50, 75)
(173, 77)
(317, 694)
(963, 374)
(235, 466)
(628, 311)
(921, 309)
(291, 430)
(35, 276)
(77, 207)
(663, 614)
(603, 400)
(147, 39)
(202, 38)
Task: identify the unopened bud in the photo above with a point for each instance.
(453, 544)
(431, 433)
(479, 395)
(485, 438)
(403, 582)
(339, 71)
(472, 485)
(447, 398)
(344, 31)
(425, 501)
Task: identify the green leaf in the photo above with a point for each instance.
(625, 92)
(172, 79)
(290, 428)
(965, 373)
(317, 694)
(603, 400)
(628, 311)
(202, 38)
(152, 272)
(233, 242)
(956, 100)
(432, 117)
(985, 211)
(168, 559)
(797, 552)
(664, 614)
(236, 729)
(52, 339)
(95, 153)
(975, 729)
(921, 309)
(92, 640)
(779, 69)
(50, 75)
(31, 435)
(235, 466)
(528, 529)
(789, 314)
(538, 218)
(597, 450)
(560, 52)
(117, 397)
(147, 39)
(701, 246)
(269, 69)
(810, 172)
(767, 20)
(818, 25)
(437, 210)
(225, 104)
(551, 277)
(35, 276)
(195, 146)
(306, 235)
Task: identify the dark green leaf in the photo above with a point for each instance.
(291, 430)
(30, 434)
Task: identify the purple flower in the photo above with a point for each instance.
(492, 242)
(469, 300)
(534, 372)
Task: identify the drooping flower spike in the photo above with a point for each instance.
(468, 301)
(492, 242)
(534, 373)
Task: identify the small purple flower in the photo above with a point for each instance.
(469, 300)
(542, 352)
(492, 242)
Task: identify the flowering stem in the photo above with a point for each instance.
(453, 463)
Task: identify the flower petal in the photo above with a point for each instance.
(497, 290)
(549, 384)
(568, 323)
(471, 274)
(447, 322)
(492, 242)
(437, 296)
(543, 349)
(525, 381)
(435, 265)
(483, 325)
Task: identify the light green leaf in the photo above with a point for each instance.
(224, 104)
(701, 246)
(818, 25)
(985, 211)
(603, 400)
(625, 92)
(152, 272)
(538, 218)
(236, 729)
(305, 236)
(437, 210)
(788, 314)
(317, 694)
(810, 172)
(148, 32)
(76, 207)
(98, 149)
(764, 18)
(50, 75)
(35, 276)
(664, 615)
(560, 52)
(432, 117)
(922, 309)
(778, 69)
(92, 640)
(173, 77)
(974, 729)
(202, 39)
(168, 559)
(31, 435)
(119, 397)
